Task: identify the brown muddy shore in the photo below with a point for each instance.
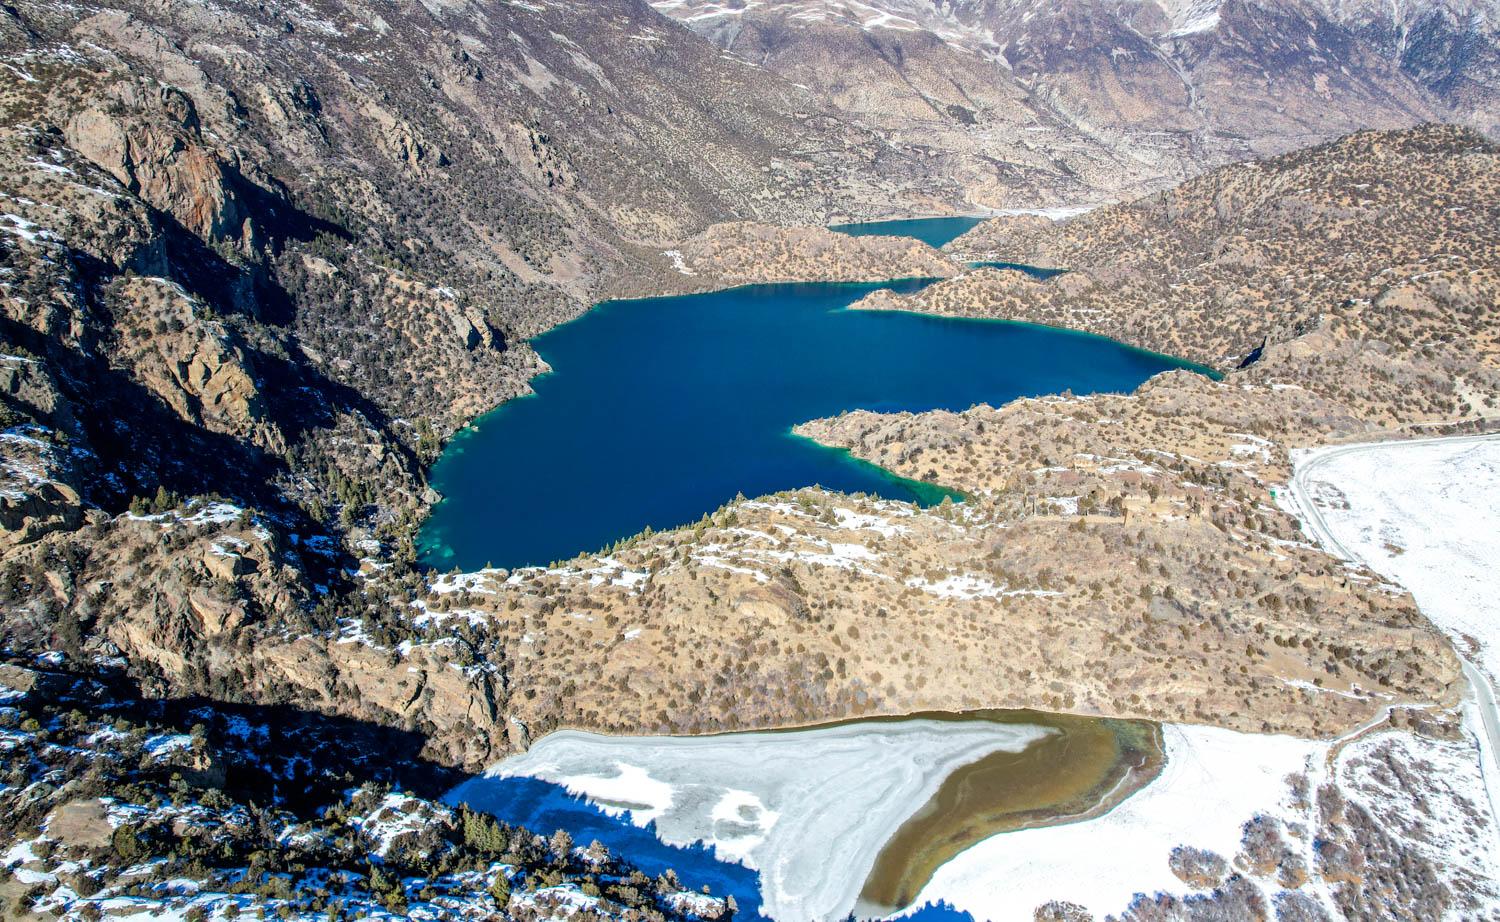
(1081, 771)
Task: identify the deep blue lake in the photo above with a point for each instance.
(660, 410)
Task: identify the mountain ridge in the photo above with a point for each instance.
(1130, 94)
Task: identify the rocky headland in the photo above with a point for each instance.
(744, 253)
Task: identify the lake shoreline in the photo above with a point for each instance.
(435, 496)
(1092, 766)
(1205, 370)
(725, 377)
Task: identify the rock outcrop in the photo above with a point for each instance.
(159, 155)
(194, 364)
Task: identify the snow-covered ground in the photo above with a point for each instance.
(1423, 792)
(809, 809)
(1426, 515)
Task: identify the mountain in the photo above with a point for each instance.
(1023, 96)
(936, 83)
(1313, 266)
(1450, 47)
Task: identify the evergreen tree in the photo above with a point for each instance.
(500, 889)
(561, 845)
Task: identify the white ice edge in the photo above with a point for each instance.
(809, 809)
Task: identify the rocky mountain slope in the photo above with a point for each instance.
(1449, 47)
(1030, 102)
(439, 185)
(935, 86)
(1379, 238)
(276, 254)
(189, 811)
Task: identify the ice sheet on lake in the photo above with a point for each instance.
(809, 809)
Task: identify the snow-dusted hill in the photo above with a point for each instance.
(1234, 77)
(952, 22)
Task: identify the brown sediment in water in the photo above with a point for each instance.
(1083, 770)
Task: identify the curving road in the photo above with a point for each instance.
(1484, 691)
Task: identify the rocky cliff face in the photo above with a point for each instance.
(196, 366)
(271, 256)
(160, 155)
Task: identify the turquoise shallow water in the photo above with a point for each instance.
(931, 231)
(662, 409)
(1032, 271)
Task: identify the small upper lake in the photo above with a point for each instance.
(932, 231)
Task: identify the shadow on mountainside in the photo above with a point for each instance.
(300, 760)
(269, 753)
